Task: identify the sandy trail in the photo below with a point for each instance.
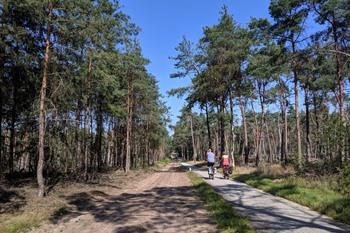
(161, 202)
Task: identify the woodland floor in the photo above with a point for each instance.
(159, 202)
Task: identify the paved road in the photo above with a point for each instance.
(269, 213)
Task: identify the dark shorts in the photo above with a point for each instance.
(210, 164)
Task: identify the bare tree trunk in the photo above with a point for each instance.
(222, 126)
(129, 124)
(296, 107)
(232, 133)
(260, 142)
(87, 121)
(208, 125)
(12, 125)
(99, 132)
(256, 136)
(1, 131)
(42, 117)
(245, 131)
(307, 125)
(193, 142)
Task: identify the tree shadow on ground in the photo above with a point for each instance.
(10, 201)
(273, 217)
(153, 210)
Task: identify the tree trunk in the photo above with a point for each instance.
(284, 146)
(87, 121)
(245, 131)
(260, 138)
(208, 125)
(232, 133)
(129, 123)
(307, 125)
(99, 132)
(12, 125)
(296, 107)
(42, 117)
(222, 126)
(1, 131)
(193, 142)
(297, 118)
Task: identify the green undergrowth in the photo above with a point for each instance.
(320, 194)
(227, 219)
(163, 162)
(24, 221)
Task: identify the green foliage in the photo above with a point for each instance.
(93, 54)
(227, 218)
(345, 180)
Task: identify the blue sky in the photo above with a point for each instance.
(164, 22)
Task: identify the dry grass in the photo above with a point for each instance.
(244, 170)
(22, 210)
(276, 171)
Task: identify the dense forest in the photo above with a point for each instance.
(273, 91)
(75, 96)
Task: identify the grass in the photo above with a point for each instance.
(23, 222)
(164, 161)
(319, 194)
(227, 219)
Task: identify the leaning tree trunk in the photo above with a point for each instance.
(42, 118)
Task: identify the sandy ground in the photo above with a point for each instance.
(161, 202)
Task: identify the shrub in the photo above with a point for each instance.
(345, 180)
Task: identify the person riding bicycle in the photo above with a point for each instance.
(226, 164)
(210, 159)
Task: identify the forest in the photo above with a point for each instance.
(91, 139)
(76, 98)
(275, 91)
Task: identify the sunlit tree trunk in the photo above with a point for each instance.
(193, 141)
(42, 120)
(129, 123)
(245, 131)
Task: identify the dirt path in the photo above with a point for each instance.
(269, 213)
(162, 202)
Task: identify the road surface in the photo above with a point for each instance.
(161, 202)
(269, 213)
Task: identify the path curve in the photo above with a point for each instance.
(269, 213)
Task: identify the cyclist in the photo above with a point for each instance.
(211, 161)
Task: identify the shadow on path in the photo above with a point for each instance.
(269, 213)
(156, 209)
